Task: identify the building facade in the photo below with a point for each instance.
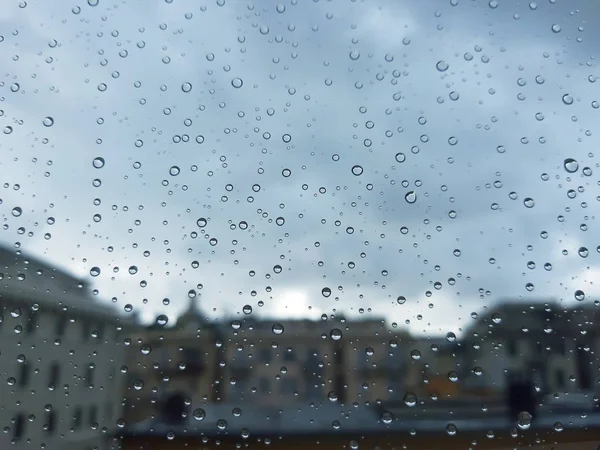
(61, 357)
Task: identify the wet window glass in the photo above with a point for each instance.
(296, 224)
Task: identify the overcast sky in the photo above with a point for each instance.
(373, 148)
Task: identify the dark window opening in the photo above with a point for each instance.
(50, 423)
(19, 427)
(77, 417)
(89, 375)
(32, 322)
(61, 325)
(93, 415)
(54, 374)
(25, 372)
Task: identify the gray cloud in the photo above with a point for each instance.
(301, 76)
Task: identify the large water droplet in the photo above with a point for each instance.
(98, 162)
(357, 170)
(571, 165)
(336, 334)
(277, 329)
(199, 414)
(524, 420)
(410, 197)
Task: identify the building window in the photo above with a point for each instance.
(61, 325)
(511, 347)
(289, 356)
(89, 375)
(108, 411)
(99, 331)
(289, 385)
(19, 427)
(559, 376)
(50, 423)
(77, 418)
(264, 385)
(93, 415)
(32, 322)
(24, 375)
(85, 330)
(54, 374)
(265, 355)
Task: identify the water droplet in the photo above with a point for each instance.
(145, 349)
(98, 162)
(133, 270)
(442, 66)
(579, 295)
(326, 292)
(277, 329)
(336, 334)
(95, 271)
(529, 202)
(162, 320)
(556, 28)
(401, 300)
(571, 165)
(558, 427)
(354, 55)
(48, 121)
(186, 87)
(201, 222)
(451, 429)
(357, 170)
(524, 420)
(410, 197)
(387, 417)
(410, 399)
(174, 171)
(400, 157)
(199, 414)
(247, 309)
(17, 211)
(237, 83)
(583, 252)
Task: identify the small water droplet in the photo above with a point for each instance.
(278, 329)
(442, 66)
(237, 83)
(48, 121)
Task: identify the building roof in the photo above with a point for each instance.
(25, 278)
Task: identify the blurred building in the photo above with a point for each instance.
(164, 360)
(61, 352)
(539, 340)
(264, 362)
